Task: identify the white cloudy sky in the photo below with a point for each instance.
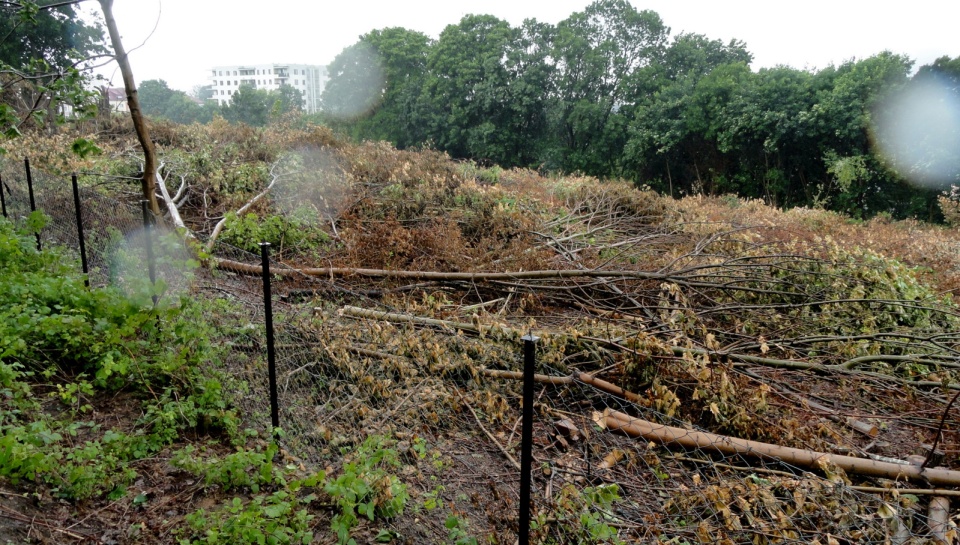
(179, 40)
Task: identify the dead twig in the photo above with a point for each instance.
(11, 514)
(509, 456)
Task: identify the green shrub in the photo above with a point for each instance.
(300, 231)
(279, 518)
(245, 468)
(365, 488)
(86, 341)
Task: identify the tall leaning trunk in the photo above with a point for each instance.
(149, 182)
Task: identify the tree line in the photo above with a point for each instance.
(608, 92)
(249, 105)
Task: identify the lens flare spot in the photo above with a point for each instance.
(917, 131)
(356, 83)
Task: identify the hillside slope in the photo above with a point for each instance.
(403, 284)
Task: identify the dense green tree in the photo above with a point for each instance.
(530, 68)
(48, 31)
(257, 107)
(43, 48)
(203, 93)
(606, 92)
(375, 87)
(840, 124)
(248, 105)
(284, 100)
(356, 83)
(467, 88)
(159, 100)
(602, 54)
(766, 132)
(154, 95)
(678, 138)
(695, 55)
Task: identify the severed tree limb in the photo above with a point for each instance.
(597, 383)
(396, 317)
(671, 436)
(915, 491)
(240, 267)
(171, 204)
(517, 375)
(858, 488)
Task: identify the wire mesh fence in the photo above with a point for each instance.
(113, 231)
(608, 466)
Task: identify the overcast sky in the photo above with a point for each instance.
(180, 40)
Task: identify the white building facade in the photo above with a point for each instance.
(307, 78)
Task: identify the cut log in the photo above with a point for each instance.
(670, 436)
(517, 375)
(938, 516)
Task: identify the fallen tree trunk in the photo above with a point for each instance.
(670, 436)
(246, 268)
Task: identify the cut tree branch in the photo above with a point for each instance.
(670, 436)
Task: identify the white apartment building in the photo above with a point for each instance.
(307, 78)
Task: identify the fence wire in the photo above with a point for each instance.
(449, 399)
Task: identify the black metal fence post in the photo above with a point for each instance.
(148, 245)
(83, 244)
(526, 435)
(33, 202)
(3, 200)
(268, 318)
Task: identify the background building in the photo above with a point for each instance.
(116, 99)
(307, 78)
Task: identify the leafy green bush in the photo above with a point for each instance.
(49, 317)
(85, 341)
(299, 231)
